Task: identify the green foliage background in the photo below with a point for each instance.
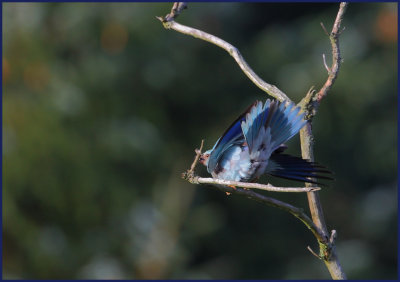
(102, 111)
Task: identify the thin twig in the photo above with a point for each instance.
(272, 90)
(333, 237)
(324, 28)
(314, 253)
(325, 64)
(196, 159)
(176, 9)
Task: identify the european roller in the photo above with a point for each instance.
(254, 144)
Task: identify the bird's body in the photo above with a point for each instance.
(236, 165)
(253, 146)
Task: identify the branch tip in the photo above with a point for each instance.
(176, 9)
(312, 252)
(333, 237)
(325, 64)
(314, 189)
(324, 28)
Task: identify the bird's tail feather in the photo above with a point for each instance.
(298, 169)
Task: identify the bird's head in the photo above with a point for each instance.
(205, 157)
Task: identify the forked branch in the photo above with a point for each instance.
(310, 105)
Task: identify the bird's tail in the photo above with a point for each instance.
(298, 169)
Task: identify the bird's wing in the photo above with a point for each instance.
(267, 127)
(232, 136)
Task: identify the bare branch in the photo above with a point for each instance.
(272, 90)
(336, 60)
(265, 187)
(306, 136)
(310, 104)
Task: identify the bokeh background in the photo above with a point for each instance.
(102, 111)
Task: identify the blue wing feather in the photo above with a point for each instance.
(282, 118)
(233, 135)
(285, 123)
(255, 119)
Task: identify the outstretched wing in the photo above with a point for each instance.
(232, 136)
(267, 127)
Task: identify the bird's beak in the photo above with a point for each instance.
(204, 159)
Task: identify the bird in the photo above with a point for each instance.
(254, 145)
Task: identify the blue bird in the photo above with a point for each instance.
(253, 146)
